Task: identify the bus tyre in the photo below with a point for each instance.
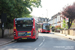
(37, 38)
(17, 40)
(34, 39)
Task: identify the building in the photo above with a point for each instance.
(41, 20)
(56, 20)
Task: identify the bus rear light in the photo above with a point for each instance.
(14, 33)
(33, 32)
(14, 27)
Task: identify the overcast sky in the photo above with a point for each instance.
(51, 7)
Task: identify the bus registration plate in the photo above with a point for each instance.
(24, 38)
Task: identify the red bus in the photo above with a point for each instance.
(44, 27)
(25, 28)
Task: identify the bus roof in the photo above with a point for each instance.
(23, 18)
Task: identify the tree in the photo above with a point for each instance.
(65, 24)
(17, 8)
(69, 12)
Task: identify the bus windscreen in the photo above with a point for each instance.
(46, 27)
(24, 25)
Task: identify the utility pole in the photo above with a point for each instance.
(47, 12)
(3, 19)
(2, 29)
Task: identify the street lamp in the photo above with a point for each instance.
(47, 12)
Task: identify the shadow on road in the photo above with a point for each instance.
(27, 40)
(47, 33)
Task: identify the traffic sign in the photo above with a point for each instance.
(67, 19)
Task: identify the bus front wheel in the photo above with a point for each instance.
(34, 39)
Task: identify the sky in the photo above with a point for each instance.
(50, 8)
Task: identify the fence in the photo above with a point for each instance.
(68, 32)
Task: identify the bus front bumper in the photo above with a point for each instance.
(45, 31)
(20, 38)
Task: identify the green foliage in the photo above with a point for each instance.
(58, 28)
(17, 8)
(35, 3)
(65, 24)
(52, 27)
(72, 23)
(69, 12)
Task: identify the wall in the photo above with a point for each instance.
(8, 32)
(73, 24)
(68, 32)
(0, 32)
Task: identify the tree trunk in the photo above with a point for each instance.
(69, 23)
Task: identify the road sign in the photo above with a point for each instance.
(67, 19)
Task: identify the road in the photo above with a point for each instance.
(46, 41)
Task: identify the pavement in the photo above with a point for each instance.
(66, 36)
(6, 40)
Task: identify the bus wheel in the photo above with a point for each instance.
(37, 38)
(34, 39)
(17, 40)
(47, 32)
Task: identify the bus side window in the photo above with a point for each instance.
(36, 26)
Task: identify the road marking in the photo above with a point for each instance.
(40, 43)
(43, 39)
(35, 49)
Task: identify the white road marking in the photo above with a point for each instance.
(40, 43)
(35, 49)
